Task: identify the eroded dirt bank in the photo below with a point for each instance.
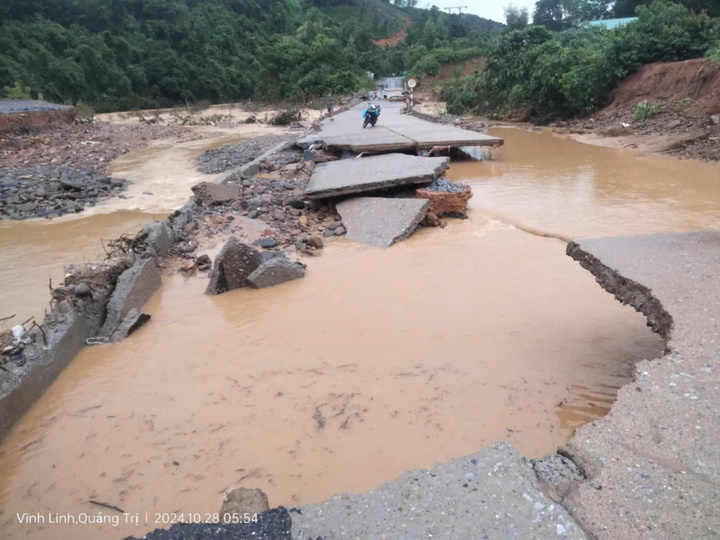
(684, 119)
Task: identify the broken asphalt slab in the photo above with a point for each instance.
(490, 494)
(653, 463)
(377, 139)
(381, 221)
(373, 173)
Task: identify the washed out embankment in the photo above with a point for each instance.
(666, 480)
(448, 330)
(651, 467)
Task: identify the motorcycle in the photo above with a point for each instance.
(371, 115)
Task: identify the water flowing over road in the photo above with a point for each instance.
(379, 361)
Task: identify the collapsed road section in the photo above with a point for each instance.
(282, 192)
(650, 469)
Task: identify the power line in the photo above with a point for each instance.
(459, 8)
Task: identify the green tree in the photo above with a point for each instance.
(548, 13)
(516, 18)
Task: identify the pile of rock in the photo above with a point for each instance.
(234, 155)
(240, 265)
(53, 190)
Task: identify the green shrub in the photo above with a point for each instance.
(645, 110)
(465, 94)
(17, 91)
(684, 104)
(84, 114)
(714, 53)
(427, 66)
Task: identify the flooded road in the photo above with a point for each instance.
(162, 174)
(377, 362)
(33, 252)
(554, 185)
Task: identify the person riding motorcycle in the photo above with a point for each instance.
(371, 115)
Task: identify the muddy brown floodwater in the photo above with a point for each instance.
(377, 362)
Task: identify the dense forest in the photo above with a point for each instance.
(121, 54)
(124, 54)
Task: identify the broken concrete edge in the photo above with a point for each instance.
(493, 493)
(625, 291)
(334, 145)
(651, 463)
(466, 124)
(44, 361)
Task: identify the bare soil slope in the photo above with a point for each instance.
(688, 125)
(396, 38)
(669, 83)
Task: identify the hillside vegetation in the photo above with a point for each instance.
(122, 54)
(547, 74)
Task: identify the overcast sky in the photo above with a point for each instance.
(490, 9)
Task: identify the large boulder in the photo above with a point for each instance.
(232, 267)
(211, 193)
(275, 271)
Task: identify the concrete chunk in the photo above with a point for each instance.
(373, 173)
(380, 221)
(211, 193)
(309, 140)
(134, 320)
(275, 271)
(134, 287)
(232, 267)
(159, 238)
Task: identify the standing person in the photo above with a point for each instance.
(331, 106)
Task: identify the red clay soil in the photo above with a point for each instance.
(444, 203)
(688, 126)
(668, 83)
(394, 39)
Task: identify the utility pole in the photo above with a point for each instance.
(459, 8)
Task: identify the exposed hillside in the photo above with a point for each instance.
(691, 86)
